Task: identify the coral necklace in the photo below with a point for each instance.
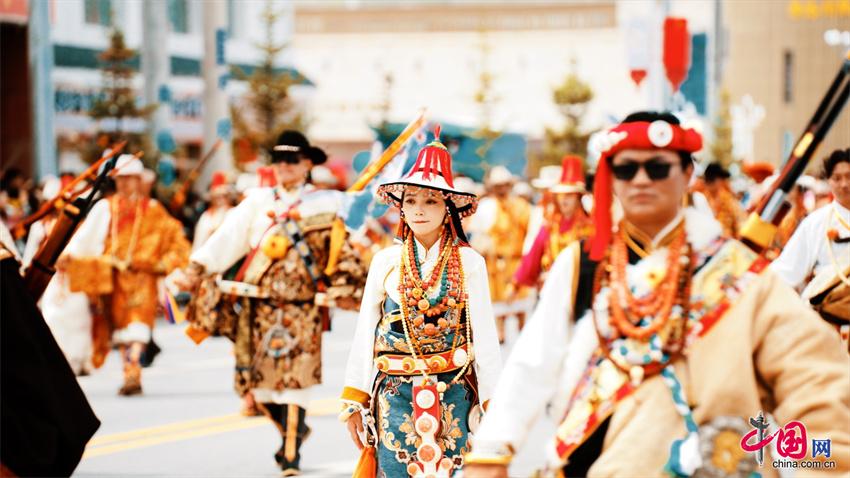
(657, 304)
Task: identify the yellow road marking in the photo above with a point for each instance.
(149, 436)
(171, 427)
(185, 435)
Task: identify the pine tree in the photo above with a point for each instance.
(721, 148)
(571, 97)
(486, 99)
(118, 100)
(268, 108)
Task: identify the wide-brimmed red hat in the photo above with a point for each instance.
(572, 176)
(433, 170)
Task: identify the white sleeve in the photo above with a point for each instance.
(359, 368)
(530, 376)
(90, 238)
(485, 339)
(799, 255)
(34, 240)
(203, 231)
(231, 241)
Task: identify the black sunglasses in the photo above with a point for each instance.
(656, 170)
(288, 159)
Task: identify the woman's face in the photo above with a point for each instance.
(568, 203)
(424, 210)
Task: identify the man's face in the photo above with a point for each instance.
(839, 183)
(645, 199)
(289, 174)
(502, 190)
(127, 186)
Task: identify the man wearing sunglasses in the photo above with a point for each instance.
(259, 280)
(659, 338)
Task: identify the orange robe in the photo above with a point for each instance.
(141, 250)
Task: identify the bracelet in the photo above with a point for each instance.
(490, 456)
(348, 409)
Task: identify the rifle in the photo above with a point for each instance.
(369, 173)
(42, 268)
(760, 228)
(58, 201)
(179, 198)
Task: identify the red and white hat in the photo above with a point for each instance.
(657, 134)
(572, 176)
(219, 184)
(433, 170)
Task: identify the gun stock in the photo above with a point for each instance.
(41, 270)
(761, 226)
(179, 198)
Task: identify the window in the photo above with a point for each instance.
(788, 77)
(177, 16)
(98, 12)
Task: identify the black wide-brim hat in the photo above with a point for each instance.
(292, 144)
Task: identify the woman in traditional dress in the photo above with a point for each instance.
(565, 222)
(426, 325)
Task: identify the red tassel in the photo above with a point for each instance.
(602, 197)
(437, 130)
(401, 230)
(446, 164)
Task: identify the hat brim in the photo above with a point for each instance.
(390, 193)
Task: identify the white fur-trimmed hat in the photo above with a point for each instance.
(128, 165)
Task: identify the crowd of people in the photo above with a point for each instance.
(649, 331)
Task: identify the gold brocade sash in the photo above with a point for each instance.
(603, 385)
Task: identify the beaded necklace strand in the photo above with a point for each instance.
(673, 290)
(408, 324)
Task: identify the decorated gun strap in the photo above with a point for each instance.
(603, 385)
(293, 232)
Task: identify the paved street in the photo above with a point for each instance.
(187, 422)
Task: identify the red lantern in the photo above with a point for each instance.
(637, 49)
(677, 50)
(637, 76)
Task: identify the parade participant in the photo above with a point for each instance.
(265, 287)
(565, 222)
(124, 246)
(15, 199)
(426, 326)
(65, 312)
(45, 419)
(725, 205)
(220, 203)
(499, 230)
(655, 342)
(820, 248)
